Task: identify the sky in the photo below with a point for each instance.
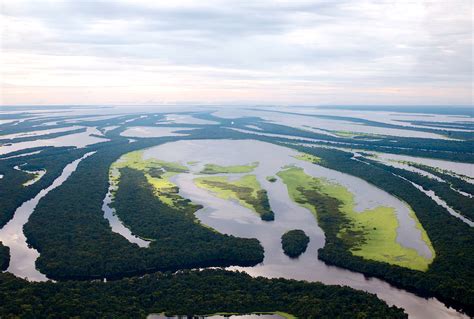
(281, 52)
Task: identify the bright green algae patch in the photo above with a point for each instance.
(157, 173)
(246, 190)
(307, 157)
(234, 169)
(350, 134)
(370, 234)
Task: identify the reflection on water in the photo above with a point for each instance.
(428, 193)
(40, 133)
(184, 119)
(77, 140)
(308, 122)
(441, 202)
(388, 117)
(153, 131)
(250, 316)
(23, 257)
(114, 222)
(230, 218)
(272, 158)
(465, 169)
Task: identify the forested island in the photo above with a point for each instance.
(78, 248)
(294, 242)
(181, 294)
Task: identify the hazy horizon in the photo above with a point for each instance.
(220, 52)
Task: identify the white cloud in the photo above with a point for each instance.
(284, 52)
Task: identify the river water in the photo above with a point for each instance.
(115, 223)
(22, 256)
(230, 218)
(250, 316)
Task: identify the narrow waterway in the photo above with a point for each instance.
(431, 194)
(115, 223)
(22, 256)
(230, 218)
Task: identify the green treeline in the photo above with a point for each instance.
(462, 204)
(4, 257)
(145, 215)
(12, 191)
(460, 151)
(294, 242)
(455, 125)
(451, 275)
(175, 231)
(42, 137)
(455, 182)
(451, 134)
(79, 244)
(186, 293)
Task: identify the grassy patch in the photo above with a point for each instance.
(285, 315)
(345, 134)
(246, 190)
(370, 234)
(308, 158)
(217, 169)
(36, 176)
(157, 173)
(354, 134)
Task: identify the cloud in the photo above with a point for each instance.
(368, 50)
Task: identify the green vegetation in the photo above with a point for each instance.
(12, 190)
(349, 134)
(271, 179)
(79, 244)
(370, 234)
(308, 158)
(450, 276)
(217, 169)
(246, 190)
(285, 315)
(294, 242)
(452, 179)
(461, 203)
(445, 190)
(460, 151)
(408, 141)
(157, 173)
(4, 257)
(34, 177)
(172, 229)
(358, 135)
(40, 137)
(182, 294)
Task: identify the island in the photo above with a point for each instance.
(294, 242)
